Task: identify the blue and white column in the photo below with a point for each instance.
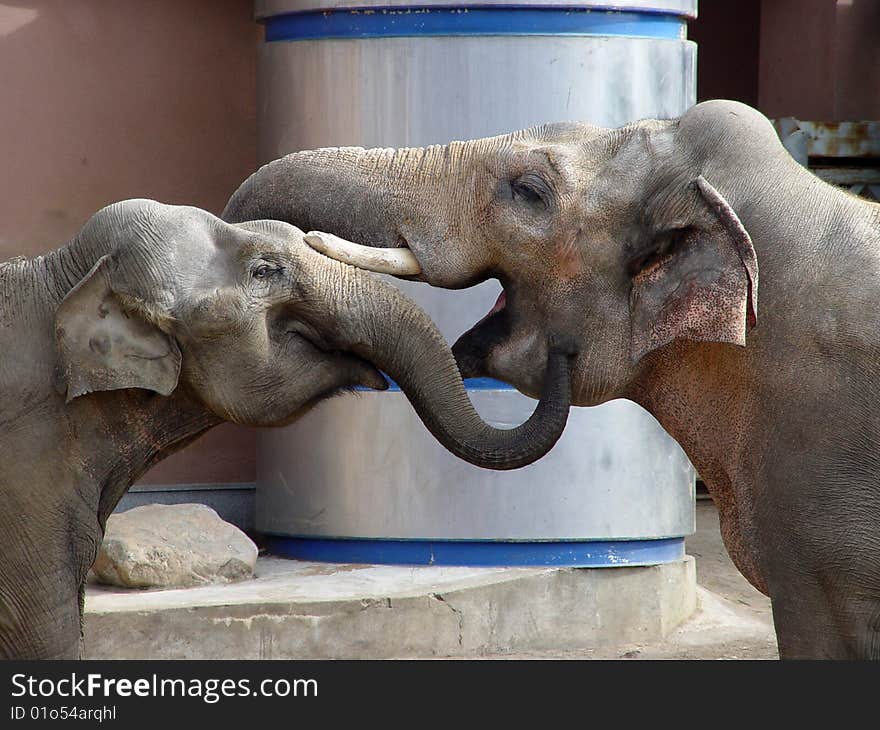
(361, 479)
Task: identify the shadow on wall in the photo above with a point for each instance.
(110, 99)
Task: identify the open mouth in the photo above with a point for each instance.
(499, 305)
(472, 349)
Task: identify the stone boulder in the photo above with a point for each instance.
(172, 546)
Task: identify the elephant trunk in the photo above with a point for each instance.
(391, 332)
(358, 194)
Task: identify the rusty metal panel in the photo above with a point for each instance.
(842, 139)
(846, 154)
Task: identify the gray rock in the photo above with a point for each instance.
(165, 546)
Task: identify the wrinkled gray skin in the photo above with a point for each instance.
(608, 235)
(153, 325)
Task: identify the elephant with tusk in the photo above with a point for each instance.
(394, 261)
(650, 246)
(156, 323)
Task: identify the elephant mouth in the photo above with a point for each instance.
(499, 306)
(362, 372)
(473, 348)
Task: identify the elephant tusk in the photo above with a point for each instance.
(396, 261)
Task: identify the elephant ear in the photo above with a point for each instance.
(697, 281)
(104, 345)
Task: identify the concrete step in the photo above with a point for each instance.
(302, 610)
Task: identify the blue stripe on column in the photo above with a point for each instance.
(465, 21)
(479, 553)
(469, 384)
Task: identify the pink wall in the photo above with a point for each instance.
(727, 36)
(820, 59)
(857, 60)
(797, 75)
(110, 99)
(813, 59)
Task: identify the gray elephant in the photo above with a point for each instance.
(156, 323)
(644, 244)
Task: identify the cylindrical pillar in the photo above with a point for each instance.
(616, 490)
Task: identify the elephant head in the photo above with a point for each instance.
(617, 238)
(255, 327)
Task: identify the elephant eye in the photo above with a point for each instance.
(264, 271)
(530, 189)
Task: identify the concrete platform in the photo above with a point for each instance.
(732, 621)
(294, 610)
(298, 610)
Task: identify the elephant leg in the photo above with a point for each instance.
(828, 615)
(41, 599)
(805, 628)
(82, 620)
(859, 621)
(37, 625)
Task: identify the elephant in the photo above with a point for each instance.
(644, 244)
(156, 323)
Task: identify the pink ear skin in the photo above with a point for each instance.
(740, 239)
(704, 289)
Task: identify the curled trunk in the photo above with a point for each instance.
(375, 198)
(383, 326)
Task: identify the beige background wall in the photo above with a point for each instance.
(102, 100)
